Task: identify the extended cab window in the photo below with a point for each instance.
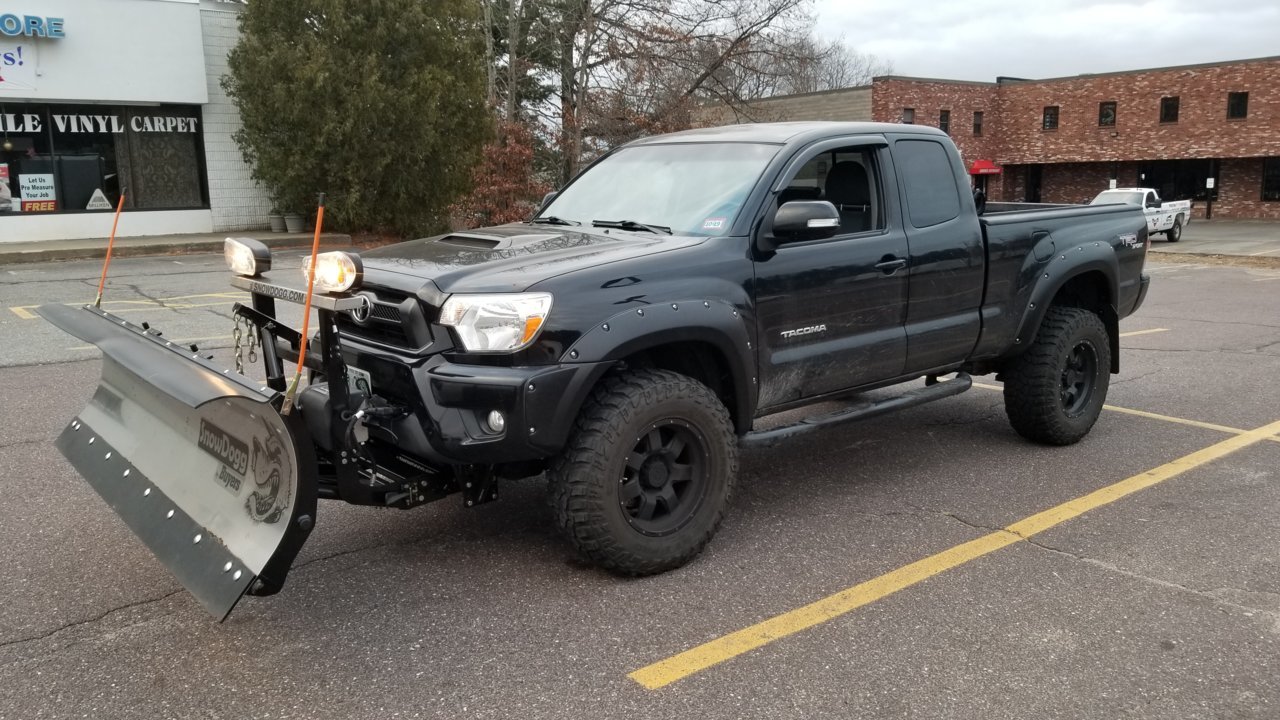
(932, 194)
(848, 179)
(691, 188)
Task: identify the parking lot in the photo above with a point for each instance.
(928, 564)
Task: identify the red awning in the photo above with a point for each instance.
(984, 167)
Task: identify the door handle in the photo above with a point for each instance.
(890, 264)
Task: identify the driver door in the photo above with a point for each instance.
(832, 313)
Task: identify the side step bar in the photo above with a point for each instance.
(860, 411)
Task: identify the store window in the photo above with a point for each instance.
(1169, 110)
(76, 158)
(1237, 105)
(977, 123)
(1271, 179)
(908, 115)
(1180, 179)
(1051, 117)
(1107, 114)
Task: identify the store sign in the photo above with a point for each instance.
(12, 25)
(34, 123)
(38, 192)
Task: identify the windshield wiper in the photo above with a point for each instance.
(552, 220)
(631, 225)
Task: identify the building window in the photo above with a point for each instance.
(944, 121)
(76, 158)
(977, 123)
(1271, 179)
(908, 115)
(1107, 114)
(1237, 105)
(1051, 117)
(1169, 110)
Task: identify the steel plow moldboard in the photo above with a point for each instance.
(197, 462)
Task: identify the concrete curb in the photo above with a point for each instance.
(34, 252)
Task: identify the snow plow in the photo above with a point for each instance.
(198, 461)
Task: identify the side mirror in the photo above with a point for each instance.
(1154, 203)
(546, 200)
(805, 220)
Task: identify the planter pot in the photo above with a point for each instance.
(277, 222)
(294, 223)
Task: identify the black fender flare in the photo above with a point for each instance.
(714, 322)
(1063, 267)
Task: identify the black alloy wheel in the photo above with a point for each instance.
(1079, 375)
(665, 477)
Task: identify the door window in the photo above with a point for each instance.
(847, 178)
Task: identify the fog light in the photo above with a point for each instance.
(496, 421)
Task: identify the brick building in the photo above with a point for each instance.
(1178, 129)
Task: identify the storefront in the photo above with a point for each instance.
(103, 98)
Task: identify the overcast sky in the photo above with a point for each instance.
(980, 39)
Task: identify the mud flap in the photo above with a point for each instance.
(196, 460)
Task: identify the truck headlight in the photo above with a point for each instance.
(496, 323)
(335, 271)
(246, 256)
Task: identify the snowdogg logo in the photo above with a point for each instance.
(232, 452)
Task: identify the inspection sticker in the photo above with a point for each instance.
(715, 223)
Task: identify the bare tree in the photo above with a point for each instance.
(613, 70)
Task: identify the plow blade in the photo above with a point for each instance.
(196, 460)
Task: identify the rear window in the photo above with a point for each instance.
(932, 195)
(1121, 196)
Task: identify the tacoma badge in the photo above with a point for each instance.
(804, 331)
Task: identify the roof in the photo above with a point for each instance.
(784, 132)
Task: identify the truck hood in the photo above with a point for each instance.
(511, 258)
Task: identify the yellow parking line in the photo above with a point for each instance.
(727, 647)
(24, 313)
(1131, 333)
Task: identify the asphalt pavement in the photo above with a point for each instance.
(943, 587)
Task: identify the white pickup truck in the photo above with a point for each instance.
(1166, 217)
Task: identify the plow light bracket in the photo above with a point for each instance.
(246, 256)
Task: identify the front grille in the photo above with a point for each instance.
(385, 312)
(395, 320)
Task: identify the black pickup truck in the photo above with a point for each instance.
(624, 342)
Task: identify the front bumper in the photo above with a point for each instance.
(449, 403)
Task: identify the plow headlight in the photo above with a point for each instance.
(496, 323)
(246, 256)
(335, 271)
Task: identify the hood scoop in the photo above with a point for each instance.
(481, 241)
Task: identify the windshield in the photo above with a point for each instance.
(1118, 196)
(693, 189)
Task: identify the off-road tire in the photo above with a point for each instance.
(587, 480)
(1174, 234)
(1037, 400)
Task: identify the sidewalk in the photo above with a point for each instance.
(1235, 238)
(47, 250)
